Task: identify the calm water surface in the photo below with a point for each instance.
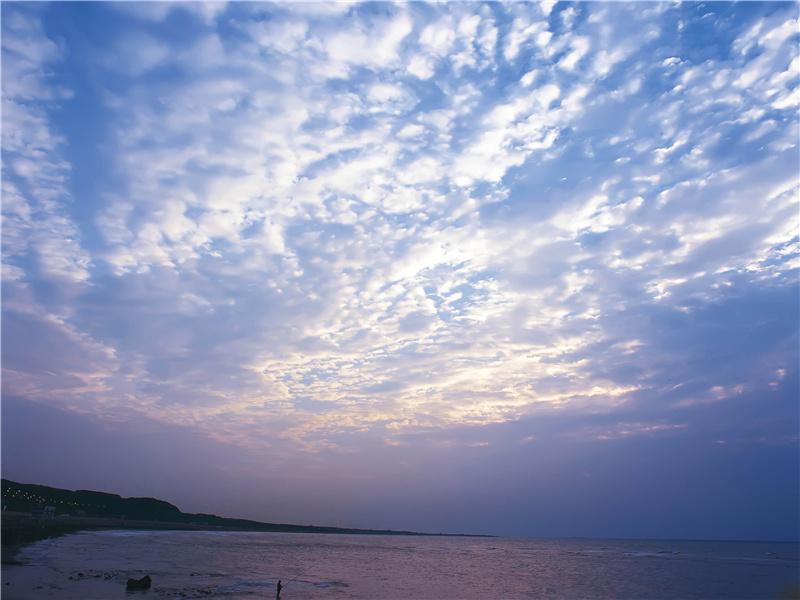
(247, 566)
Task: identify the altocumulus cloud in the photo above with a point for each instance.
(404, 228)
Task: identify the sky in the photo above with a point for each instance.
(525, 269)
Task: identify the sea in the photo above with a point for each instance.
(247, 566)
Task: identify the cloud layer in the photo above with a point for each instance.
(361, 228)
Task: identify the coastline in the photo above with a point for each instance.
(111, 511)
(96, 566)
(18, 530)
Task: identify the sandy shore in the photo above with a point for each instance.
(20, 580)
(17, 530)
(36, 582)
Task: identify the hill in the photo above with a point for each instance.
(114, 511)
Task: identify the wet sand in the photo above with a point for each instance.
(18, 530)
(36, 582)
(20, 580)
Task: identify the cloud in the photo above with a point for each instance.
(365, 225)
(39, 235)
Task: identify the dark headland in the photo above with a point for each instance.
(25, 518)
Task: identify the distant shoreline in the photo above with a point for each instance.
(18, 530)
(103, 511)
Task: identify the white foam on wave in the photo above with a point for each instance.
(327, 584)
(126, 532)
(656, 554)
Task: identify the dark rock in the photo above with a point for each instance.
(139, 584)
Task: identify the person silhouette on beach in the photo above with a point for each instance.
(280, 587)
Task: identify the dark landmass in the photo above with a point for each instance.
(84, 510)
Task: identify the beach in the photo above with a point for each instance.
(22, 574)
(245, 565)
(18, 529)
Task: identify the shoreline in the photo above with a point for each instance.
(18, 530)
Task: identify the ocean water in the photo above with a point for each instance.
(247, 566)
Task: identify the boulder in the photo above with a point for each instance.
(139, 584)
